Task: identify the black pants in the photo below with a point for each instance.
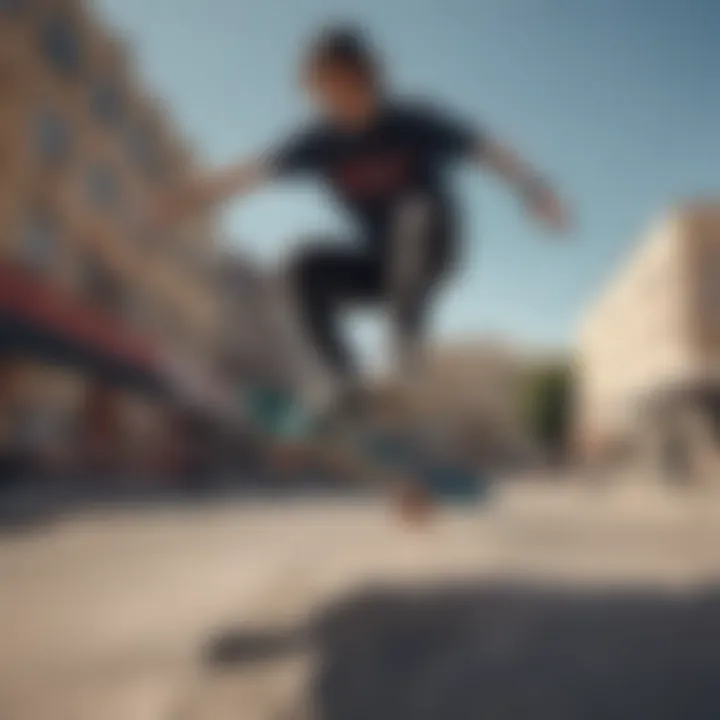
(328, 279)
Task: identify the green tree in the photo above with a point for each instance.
(547, 404)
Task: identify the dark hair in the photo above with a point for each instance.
(345, 46)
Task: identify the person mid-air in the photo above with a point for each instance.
(385, 158)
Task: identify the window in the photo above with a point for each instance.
(102, 287)
(39, 241)
(138, 143)
(106, 102)
(143, 149)
(52, 137)
(61, 43)
(11, 6)
(137, 312)
(101, 187)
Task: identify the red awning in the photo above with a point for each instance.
(39, 319)
(46, 307)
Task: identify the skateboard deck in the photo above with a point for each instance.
(273, 406)
(406, 456)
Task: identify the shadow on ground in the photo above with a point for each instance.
(506, 652)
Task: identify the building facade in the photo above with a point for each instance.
(654, 334)
(254, 351)
(89, 291)
(471, 393)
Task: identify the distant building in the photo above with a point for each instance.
(472, 390)
(253, 347)
(649, 347)
(91, 304)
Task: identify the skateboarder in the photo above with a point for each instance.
(385, 159)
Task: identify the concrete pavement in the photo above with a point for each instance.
(107, 616)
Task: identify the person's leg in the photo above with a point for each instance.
(421, 247)
(324, 280)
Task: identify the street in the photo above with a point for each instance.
(111, 615)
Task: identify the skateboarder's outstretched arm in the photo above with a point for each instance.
(539, 197)
(223, 184)
(201, 194)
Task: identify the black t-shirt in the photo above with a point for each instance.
(403, 152)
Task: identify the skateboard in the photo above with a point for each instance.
(406, 457)
(354, 446)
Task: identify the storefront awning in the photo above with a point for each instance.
(41, 321)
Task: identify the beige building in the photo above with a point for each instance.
(654, 334)
(472, 391)
(82, 144)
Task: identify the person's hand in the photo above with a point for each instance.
(166, 209)
(547, 209)
(197, 195)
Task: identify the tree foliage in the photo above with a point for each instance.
(546, 404)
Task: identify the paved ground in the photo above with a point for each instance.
(550, 602)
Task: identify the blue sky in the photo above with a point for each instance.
(617, 100)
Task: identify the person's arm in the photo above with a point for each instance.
(536, 193)
(300, 153)
(229, 182)
(217, 186)
(456, 139)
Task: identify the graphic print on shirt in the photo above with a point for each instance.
(374, 176)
